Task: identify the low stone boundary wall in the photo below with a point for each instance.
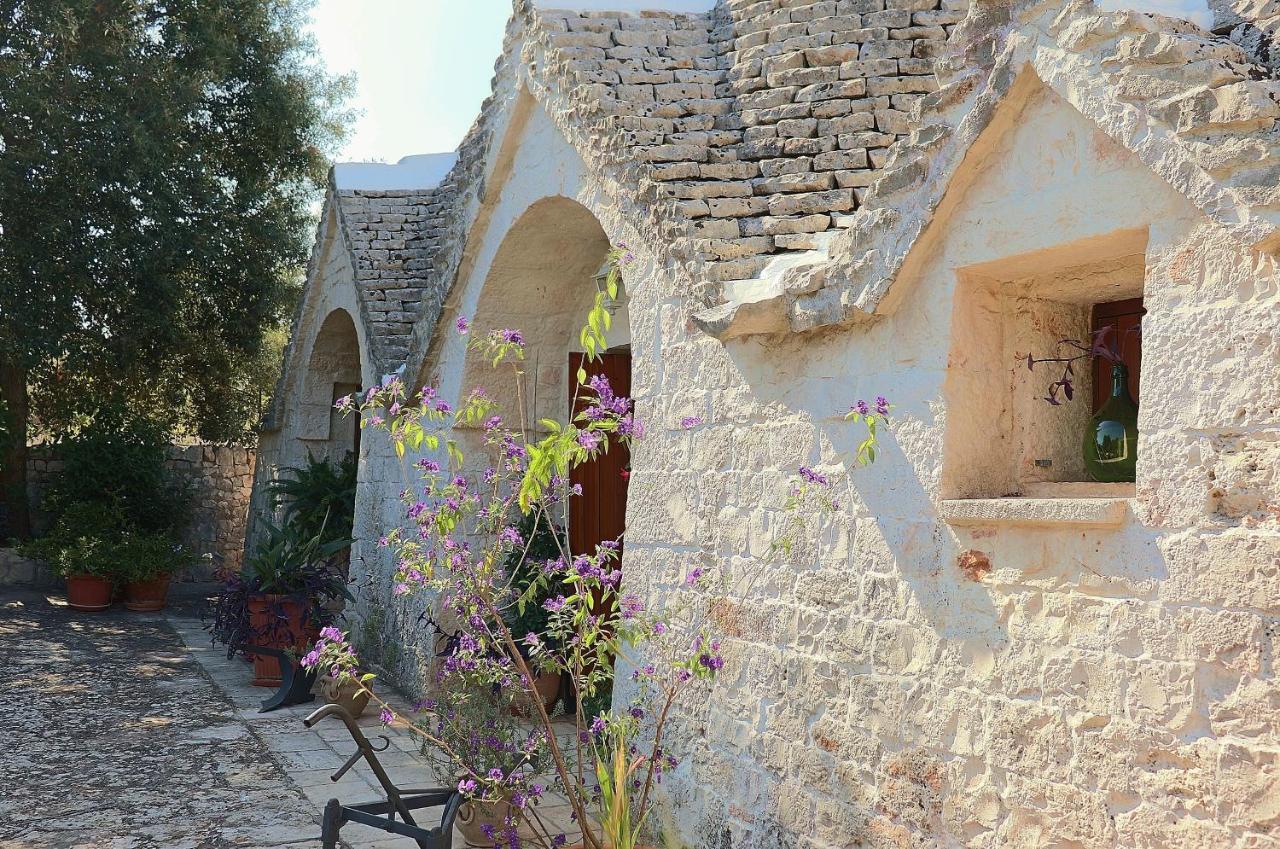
(223, 476)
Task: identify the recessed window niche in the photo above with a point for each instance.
(1003, 440)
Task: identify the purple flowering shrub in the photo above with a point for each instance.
(462, 543)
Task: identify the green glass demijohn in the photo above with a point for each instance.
(1111, 439)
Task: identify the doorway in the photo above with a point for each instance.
(600, 513)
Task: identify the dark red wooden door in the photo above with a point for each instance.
(1125, 317)
(600, 513)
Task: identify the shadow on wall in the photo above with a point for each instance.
(951, 617)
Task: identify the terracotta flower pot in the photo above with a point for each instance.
(349, 694)
(146, 596)
(473, 816)
(88, 592)
(547, 685)
(278, 622)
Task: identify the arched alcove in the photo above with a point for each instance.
(542, 282)
(333, 370)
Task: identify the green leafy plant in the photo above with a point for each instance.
(530, 581)
(318, 499)
(615, 766)
(146, 557)
(119, 463)
(289, 561)
(84, 541)
(286, 562)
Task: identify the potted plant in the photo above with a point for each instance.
(530, 584)
(82, 549)
(281, 597)
(148, 563)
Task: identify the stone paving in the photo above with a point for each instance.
(130, 731)
(116, 738)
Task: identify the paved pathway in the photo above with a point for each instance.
(116, 736)
(123, 730)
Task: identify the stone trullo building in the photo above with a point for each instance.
(835, 199)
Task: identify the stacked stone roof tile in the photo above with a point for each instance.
(765, 130)
(761, 123)
(1197, 109)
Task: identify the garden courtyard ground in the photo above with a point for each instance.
(129, 731)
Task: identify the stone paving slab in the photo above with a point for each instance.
(114, 737)
(131, 731)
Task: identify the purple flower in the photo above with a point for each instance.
(693, 576)
(597, 726)
(387, 716)
(554, 604)
(464, 326)
(689, 422)
(861, 408)
(466, 787)
(331, 634)
(495, 774)
(512, 337)
(813, 477)
(631, 606)
(589, 439)
(882, 405)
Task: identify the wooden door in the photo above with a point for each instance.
(600, 513)
(1125, 317)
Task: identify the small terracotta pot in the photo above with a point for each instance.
(278, 622)
(146, 596)
(88, 592)
(349, 694)
(473, 816)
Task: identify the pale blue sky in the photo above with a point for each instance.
(423, 67)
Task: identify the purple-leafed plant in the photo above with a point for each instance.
(1103, 343)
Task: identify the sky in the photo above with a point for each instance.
(422, 67)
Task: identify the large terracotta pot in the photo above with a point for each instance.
(146, 596)
(278, 622)
(349, 694)
(473, 816)
(88, 592)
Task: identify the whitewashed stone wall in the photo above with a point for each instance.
(1055, 671)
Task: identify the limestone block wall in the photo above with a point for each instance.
(906, 680)
(914, 675)
(223, 480)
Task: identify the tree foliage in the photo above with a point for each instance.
(158, 164)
